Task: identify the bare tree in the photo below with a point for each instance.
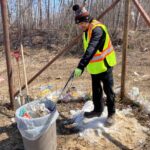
(58, 15)
(40, 13)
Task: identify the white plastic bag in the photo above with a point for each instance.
(33, 128)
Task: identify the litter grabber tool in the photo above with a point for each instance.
(64, 88)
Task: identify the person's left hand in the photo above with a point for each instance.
(77, 72)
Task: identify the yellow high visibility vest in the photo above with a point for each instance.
(96, 64)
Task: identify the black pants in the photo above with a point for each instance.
(105, 78)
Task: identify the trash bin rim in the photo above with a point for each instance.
(39, 118)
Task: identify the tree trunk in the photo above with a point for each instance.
(48, 13)
(40, 13)
(137, 17)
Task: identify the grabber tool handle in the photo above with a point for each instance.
(70, 78)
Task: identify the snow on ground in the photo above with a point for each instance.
(126, 130)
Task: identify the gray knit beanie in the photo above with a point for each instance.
(81, 14)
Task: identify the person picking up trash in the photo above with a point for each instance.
(99, 59)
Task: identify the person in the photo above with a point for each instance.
(99, 59)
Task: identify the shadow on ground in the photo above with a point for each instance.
(13, 140)
(70, 129)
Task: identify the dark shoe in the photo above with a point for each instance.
(92, 114)
(110, 120)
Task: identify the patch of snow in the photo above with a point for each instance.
(135, 95)
(136, 74)
(13, 120)
(126, 129)
(117, 90)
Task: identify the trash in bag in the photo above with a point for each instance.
(40, 110)
(23, 113)
(34, 118)
(34, 111)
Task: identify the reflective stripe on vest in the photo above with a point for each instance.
(102, 56)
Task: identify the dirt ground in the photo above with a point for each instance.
(138, 75)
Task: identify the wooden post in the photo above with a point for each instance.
(7, 49)
(125, 47)
(142, 12)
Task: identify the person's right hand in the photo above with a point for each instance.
(77, 72)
